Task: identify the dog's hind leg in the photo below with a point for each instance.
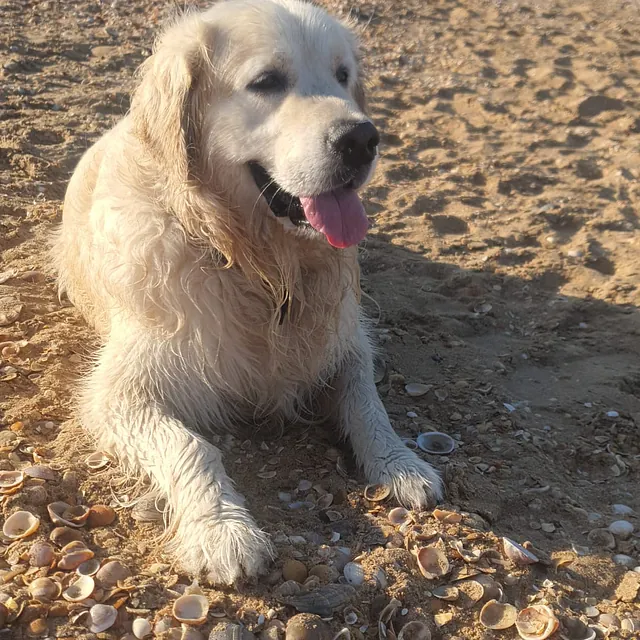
(212, 531)
(378, 449)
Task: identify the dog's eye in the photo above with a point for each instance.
(268, 82)
(342, 75)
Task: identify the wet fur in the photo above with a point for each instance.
(212, 313)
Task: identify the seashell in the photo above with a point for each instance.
(471, 592)
(621, 529)
(324, 573)
(416, 389)
(111, 573)
(354, 573)
(40, 471)
(325, 501)
(381, 578)
(141, 628)
(602, 538)
(492, 589)
(191, 609)
(377, 492)
(437, 443)
(448, 517)
(88, 567)
(64, 514)
(536, 622)
(98, 460)
(399, 516)
(432, 562)
(20, 524)
(74, 545)
(100, 515)
(230, 631)
(629, 624)
(10, 479)
(102, 617)
(41, 554)
(415, 630)
(294, 570)
(446, 592)
(343, 634)
(495, 615)
(44, 589)
(37, 627)
(323, 600)
(62, 536)
(288, 589)
(517, 553)
(36, 496)
(350, 617)
(74, 559)
(80, 590)
(465, 554)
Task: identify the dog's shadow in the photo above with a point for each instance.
(522, 377)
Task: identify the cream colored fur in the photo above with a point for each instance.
(213, 312)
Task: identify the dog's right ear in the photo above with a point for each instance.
(162, 105)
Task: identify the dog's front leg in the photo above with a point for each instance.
(378, 449)
(212, 531)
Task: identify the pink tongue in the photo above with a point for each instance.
(339, 215)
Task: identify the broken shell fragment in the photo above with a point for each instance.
(517, 553)
(191, 609)
(436, 443)
(98, 460)
(10, 479)
(41, 472)
(70, 516)
(354, 573)
(448, 517)
(101, 617)
(20, 524)
(446, 592)
(44, 589)
(80, 590)
(471, 591)
(399, 516)
(432, 562)
(495, 615)
(536, 622)
(416, 389)
(376, 492)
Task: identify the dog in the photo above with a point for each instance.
(210, 238)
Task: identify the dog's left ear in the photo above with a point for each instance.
(162, 105)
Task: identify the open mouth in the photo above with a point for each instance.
(337, 214)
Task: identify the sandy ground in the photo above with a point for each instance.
(503, 270)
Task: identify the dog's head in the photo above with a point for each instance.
(262, 101)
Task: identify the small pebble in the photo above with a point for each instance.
(621, 510)
(101, 515)
(412, 414)
(591, 612)
(624, 560)
(613, 414)
(306, 626)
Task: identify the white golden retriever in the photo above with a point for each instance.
(210, 239)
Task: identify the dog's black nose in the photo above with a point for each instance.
(355, 143)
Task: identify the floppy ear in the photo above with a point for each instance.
(162, 105)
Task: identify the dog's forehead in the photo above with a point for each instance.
(283, 29)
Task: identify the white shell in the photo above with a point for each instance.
(377, 492)
(399, 516)
(436, 443)
(20, 525)
(495, 615)
(98, 460)
(536, 622)
(141, 628)
(88, 567)
(101, 617)
(67, 515)
(44, 589)
(80, 590)
(432, 562)
(191, 609)
(10, 479)
(517, 553)
(416, 389)
(354, 573)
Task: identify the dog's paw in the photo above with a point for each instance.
(225, 551)
(414, 482)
